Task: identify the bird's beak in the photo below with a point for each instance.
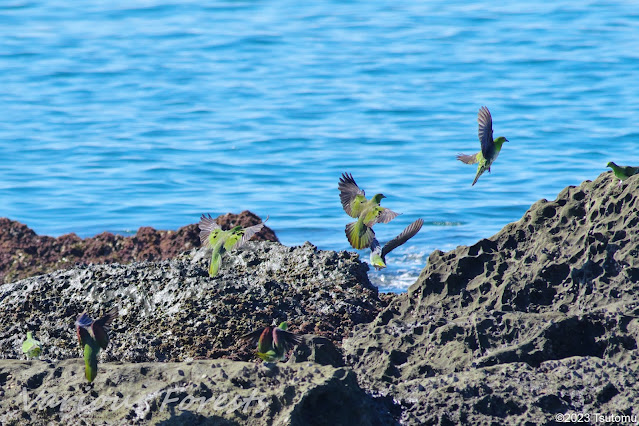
(383, 196)
(506, 140)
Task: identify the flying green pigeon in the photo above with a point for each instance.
(489, 148)
(378, 253)
(368, 212)
(31, 347)
(92, 335)
(622, 172)
(212, 235)
(273, 342)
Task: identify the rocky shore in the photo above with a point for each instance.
(532, 325)
(24, 254)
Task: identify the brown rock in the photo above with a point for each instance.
(23, 253)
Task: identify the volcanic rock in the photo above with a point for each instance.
(540, 319)
(173, 311)
(220, 392)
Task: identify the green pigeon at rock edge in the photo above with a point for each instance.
(93, 336)
(367, 212)
(378, 253)
(622, 172)
(31, 347)
(273, 342)
(212, 235)
(489, 148)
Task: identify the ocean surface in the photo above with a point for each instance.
(119, 114)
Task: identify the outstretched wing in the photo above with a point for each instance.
(485, 132)
(468, 159)
(250, 231)
(384, 215)
(207, 225)
(351, 196)
(101, 327)
(408, 233)
(253, 336)
(241, 236)
(285, 340)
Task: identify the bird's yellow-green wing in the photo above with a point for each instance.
(380, 215)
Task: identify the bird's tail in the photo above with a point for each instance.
(359, 235)
(216, 260)
(90, 363)
(480, 171)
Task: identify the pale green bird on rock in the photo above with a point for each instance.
(367, 212)
(378, 253)
(212, 235)
(92, 335)
(622, 172)
(489, 148)
(31, 347)
(273, 342)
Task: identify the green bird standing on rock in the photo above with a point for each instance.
(368, 212)
(212, 235)
(622, 172)
(31, 347)
(273, 342)
(378, 253)
(489, 148)
(92, 335)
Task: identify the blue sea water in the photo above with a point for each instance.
(118, 114)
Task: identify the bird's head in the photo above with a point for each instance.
(610, 164)
(378, 197)
(500, 140)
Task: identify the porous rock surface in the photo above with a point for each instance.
(173, 311)
(24, 254)
(540, 320)
(212, 392)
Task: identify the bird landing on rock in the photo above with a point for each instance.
(378, 253)
(489, 148)
(93, 336)
(367, 212)
(212, 235)
(273, 342)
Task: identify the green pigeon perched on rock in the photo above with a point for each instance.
(378, 253)
(273, 342)
(93, 336)
(212, 235)
(367, 212)
(622, 172)
(31, 347)
(489, 148)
